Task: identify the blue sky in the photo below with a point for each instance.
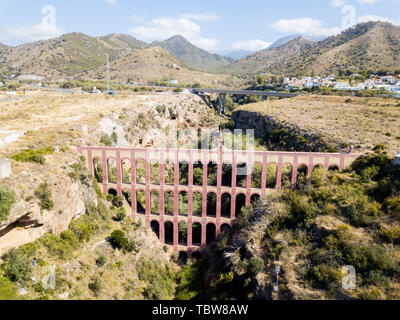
(215, 25)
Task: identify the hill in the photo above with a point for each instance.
(67, 55)
(282, 41)
(262, 61)
(155, 64)
(191, 55)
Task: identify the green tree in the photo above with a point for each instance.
(7, 200)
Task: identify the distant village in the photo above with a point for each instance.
(382, 83)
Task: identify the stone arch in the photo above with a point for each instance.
(112, 170)
(227, 175)
(169, 203)
(155, 202)
(197, 204)
(198, 174)
(113, 192)
(212, 174)
(141, 201)
(169, 173)
(256, 175)
(183, 173)
(211, 204)
(182, 233)
(272, 169)
(333, 168)
(155, 227)
(196, 233)
(140, 171)
(126, 165)
(183, 203)
(287, 172)
(240, 203)
(155, 173)
(211, 232)
(98, 169)
(226, 202)
(241, 172)
(168, 232)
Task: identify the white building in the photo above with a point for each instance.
(341, 86)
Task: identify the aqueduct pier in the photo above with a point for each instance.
(206, 222)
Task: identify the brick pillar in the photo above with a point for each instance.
(90, 162)
(105, 170)
(294, 171)
(341, 166)
(233, 192)
(189, 233)
(218, 228)
(204, 233)
(310, 168)
(176, 234)
(162, 185)
(162, 230)
(219, 182)
(326, 163)
(119, 172)
(147, 188)
(279, 174)
(264, 174)
(134, 201)
(249, 168)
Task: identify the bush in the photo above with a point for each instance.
(43, 193)
(95, 286)
(118, 201)
(35, 156)
(7, 200)
(105, 139)
(256, 265)
(120, 241)
(18, 266)
(7, 289)
(321, 276)
(121, 214)
(101, 261)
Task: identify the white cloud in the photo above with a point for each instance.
(201, 16)
(305, 26)
(111, 1)
(338, 3)
(251, 45)
(41, 31)
(369, 1)
(166, 27)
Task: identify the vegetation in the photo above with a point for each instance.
(7, 200)
(35, 156)
(43, 193)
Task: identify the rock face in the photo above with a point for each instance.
(27, 222)
(5, 168)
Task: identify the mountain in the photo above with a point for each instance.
(153, 63)
(191, 55)
(67, 55)
(367, 46)
(282, 41)
(261, 61)
(3, 46)
(238, 54)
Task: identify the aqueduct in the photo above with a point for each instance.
(189, 210)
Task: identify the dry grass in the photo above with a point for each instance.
(363, 122)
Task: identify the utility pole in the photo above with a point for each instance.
(108, 74)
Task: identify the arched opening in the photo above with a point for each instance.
(155, 173)
(141, 202)
(112, 170)
(169, 232)
(183, 203)
(240, 203)
(140, 172)
(98, 170)
(301, 175)
(241, 172)
(183, 173)
(196, 255)
(198, 174)
(225, 228)
(210, 233)
(155, 202)
(287, 170)
(333, 168)
(227, 175)
(126, 171)
(212, 172)
(211, 204)
(256, 176)
(197, 204)
(169, 203)
(182, 233)
(127, 194)
(182, 259)
(155, 227)
(255, 198)
(271, 176)
(317, 175)
(226, 201)
(169, 173)
(113, 192)
(196, 233)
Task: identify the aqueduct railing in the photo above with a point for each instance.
(240, 187)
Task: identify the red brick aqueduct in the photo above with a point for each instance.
(210, 224)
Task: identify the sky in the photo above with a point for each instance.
(214, 25)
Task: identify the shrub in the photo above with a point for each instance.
(256, 265)
(121, 214)
(95, 286)
(105, 139)
(43, 193)
(18, 266)
(7, 289)
(119, 240)
(321, 276)
(101, 261)
(7, 200)
(35, 156)
(118, 201)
